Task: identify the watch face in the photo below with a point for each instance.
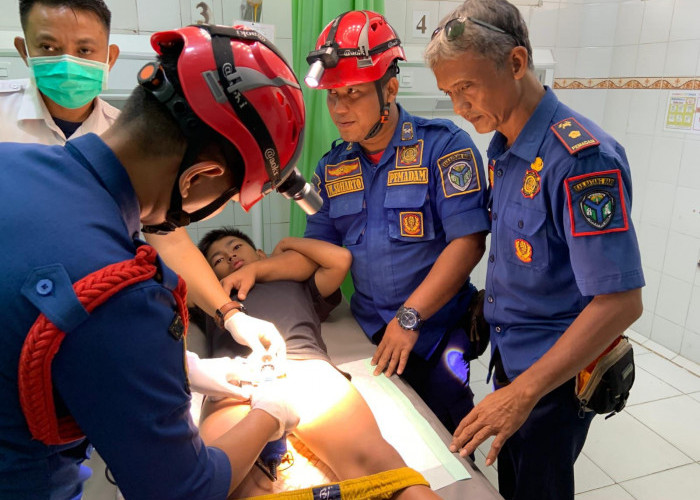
(408, 319)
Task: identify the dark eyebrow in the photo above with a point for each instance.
(47, 37)
(41, 37)
(212, 256)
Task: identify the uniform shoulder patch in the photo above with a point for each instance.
(459, 173)
(596, 203)
(573, 135)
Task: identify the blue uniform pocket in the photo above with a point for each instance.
(408, 213)
(349, 216)
(526, 237)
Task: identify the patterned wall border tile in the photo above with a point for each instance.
(676, 83)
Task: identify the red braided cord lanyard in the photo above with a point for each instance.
(44, 339)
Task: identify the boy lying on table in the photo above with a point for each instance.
(295, 289)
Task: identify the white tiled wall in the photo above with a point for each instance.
(623, 39)
(589, 39)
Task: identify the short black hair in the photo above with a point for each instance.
(155, 130)
(215, 235)
(98, 7)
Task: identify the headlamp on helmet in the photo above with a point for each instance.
(234, 89)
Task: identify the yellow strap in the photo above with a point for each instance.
(376, 486)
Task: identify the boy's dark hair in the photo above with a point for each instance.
(98, 7)
(213, 236)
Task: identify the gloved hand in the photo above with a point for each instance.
(271, 397)
(217, 377)
(253, 332)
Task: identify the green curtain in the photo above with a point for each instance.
(309, 17)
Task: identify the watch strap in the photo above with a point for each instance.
(225, 309)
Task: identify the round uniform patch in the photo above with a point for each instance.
(460, 175)
(531, 184)
(597, 208)
(537, 164)
(409, 155)
(523, 250)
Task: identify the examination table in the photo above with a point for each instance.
(350, 349)
(347, 343)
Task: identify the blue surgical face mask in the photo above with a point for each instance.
(69, 81)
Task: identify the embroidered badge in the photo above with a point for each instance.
(537, 164)
(346, 168)
(573, 135)
(402, 176)
(406, 131)
(344, 186)
(531, 184)
(412, 224)
(523, 250)
(459, 173)
(177, 328)
(409, 156)
(596, 203)
(330, 492)
(316, 181)
(597, 208)
(492, 165)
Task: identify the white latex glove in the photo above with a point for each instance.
(252, 332)
(217, 377)
(271, 397)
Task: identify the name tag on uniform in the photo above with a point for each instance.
(402, 176)
(343, 186)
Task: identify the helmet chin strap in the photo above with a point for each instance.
(385, 107)
(175, 216)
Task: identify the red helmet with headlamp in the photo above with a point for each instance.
(356, 47)
(235, 86)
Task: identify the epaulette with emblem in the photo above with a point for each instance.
(10, 86)
(573, 135)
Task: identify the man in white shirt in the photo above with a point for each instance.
(66, 46)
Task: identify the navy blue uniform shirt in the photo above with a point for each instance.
(561, 230)
(396, 217)
(64, 213)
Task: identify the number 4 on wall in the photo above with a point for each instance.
(421, 24)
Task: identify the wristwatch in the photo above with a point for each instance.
(409, 318)
(223, 310)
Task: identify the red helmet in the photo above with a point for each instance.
(356, 47)
(239, 85)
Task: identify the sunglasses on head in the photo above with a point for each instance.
(455, 27)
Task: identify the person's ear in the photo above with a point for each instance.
(261, 254)
(112, 54)
(392, 88)
(196, 180)
(519, 62)
(21, 48)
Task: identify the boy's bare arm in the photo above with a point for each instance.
(332, 260)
